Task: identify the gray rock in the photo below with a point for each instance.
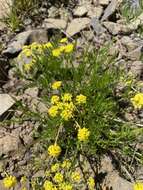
(9, 144)
(98, 28)
(39, 35)
(129, 43)
(102, 2)
(77, 25)
(6, 102)
(112, 179)
(95, 12)
(17, 43)
(80, 10)
(137, 68)
(52, 23)
(115, 182)
(110, 10)
(40, 173)
(115, 28)
(53, 12)
(135, 54)
(32, 92)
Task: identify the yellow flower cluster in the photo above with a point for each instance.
(76, 176)
(56, 85)
(48, 185)
(91, 183)
(58, 178)
(66, 164)
(83, 134)
(137, 100)
(138, 186)
(64, 106)
(81, 99)
(55, 167)
(9, 181)
(63, 49)
(66, 186)
(57, 174)
(54, 150)
(29, 50)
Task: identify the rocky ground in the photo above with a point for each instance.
(92, 22)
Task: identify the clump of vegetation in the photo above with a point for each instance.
(19, 10)
(131, 9)
(81, 123)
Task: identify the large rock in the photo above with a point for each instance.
(52, 23)
(97, 27)
(137, 68)
(115, 182)
(129, 43)
(115, 28)
(9, 144)
(95, 12)
(6, 102)
(77, 25)
(102, 2)
(38, 35)
(135, 54)
(80, 10)
(110, 9)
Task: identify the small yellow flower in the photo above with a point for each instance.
(137, 100)
(69, 106)
(91, 183)
(55, 99)
(66, 186)
(68, 48)
(35, 46)
(48, 185)
(53, 111)
(83, 134)
(58, 178)
(9, 181)
(81, 99)
(60, 105)
(75, 176)
(62, 48)
(67, 97)
(56, 52)
(66, 114)
(63, 40)
(48, 45)
(54, 150)
(138, 186)
(56, 85)
(55, 167)
(66, 164)
(27, 52)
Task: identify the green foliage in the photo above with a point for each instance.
(92, 124)
(130, 10)
(94, 75)
(20, 10)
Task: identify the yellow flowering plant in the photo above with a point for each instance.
(82, 117)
